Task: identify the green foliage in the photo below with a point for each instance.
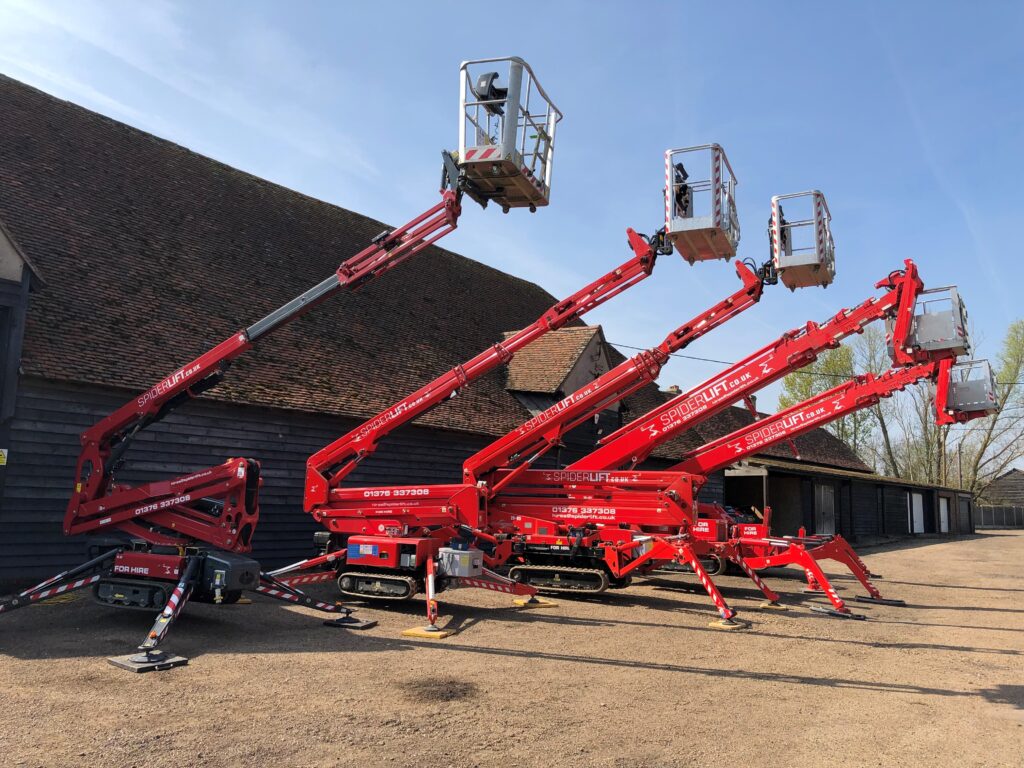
(830, 369)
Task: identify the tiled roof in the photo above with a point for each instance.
(543, 366)
(806, 466)
(152, 254)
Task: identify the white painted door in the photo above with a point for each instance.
(943, 514)
(915, 512)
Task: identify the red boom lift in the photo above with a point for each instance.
(186, 537)
(393, 542)
(581, 528)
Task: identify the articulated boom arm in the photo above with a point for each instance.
(534, 438)
(97, 503)
(634, 442)
(327, 468)
(853, 395)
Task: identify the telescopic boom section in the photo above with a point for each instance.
(854, 395)
(535, 437)
(327, 468)
(633, 443)
(96, 503)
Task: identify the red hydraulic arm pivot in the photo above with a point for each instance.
(216, 505)
(534, 438)
(634, 442)
(327, 468)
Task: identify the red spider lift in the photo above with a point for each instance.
(754, 546)
(393, 542)
(184, 538)
(593, 524)
(389, 543)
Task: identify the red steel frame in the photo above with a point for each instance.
(326, 469)
(431, 516)
(526, 512)
(634, 442)
(574, 492)
(167, 512)
(430, 513)
(606, 510)
(214, 508)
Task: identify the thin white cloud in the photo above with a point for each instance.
(150, 39)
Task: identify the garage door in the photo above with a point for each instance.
(915, 512)
(824, 509)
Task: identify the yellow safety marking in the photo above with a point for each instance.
(59, 599)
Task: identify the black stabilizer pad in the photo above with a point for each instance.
(157, 664)
(347, 622)
(879, 600)
(838, 614)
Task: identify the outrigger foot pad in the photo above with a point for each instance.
(838, 614)
(431, 632)
(815, 591)
(879, 600)
(729, 624)
(148, 661)
(772, 605)
(347, 622)
(533, 602)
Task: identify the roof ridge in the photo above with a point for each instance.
(7, 80)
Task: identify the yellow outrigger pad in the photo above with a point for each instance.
(767, 605)
(430, 633)
(728, 625)
(535, 603)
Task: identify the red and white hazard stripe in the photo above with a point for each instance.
(716, 187)
(477, 154)
(312, 578)
(35, 597)
(172, 604)
(281, 594)
(716, 597)
(465, 581)
(66, 587)
(669, 192)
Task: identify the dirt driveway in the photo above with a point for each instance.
(633, 679)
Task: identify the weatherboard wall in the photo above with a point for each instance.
(50, 416)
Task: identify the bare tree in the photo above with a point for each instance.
(989, 447)
(898, 436)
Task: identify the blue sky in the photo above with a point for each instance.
(908, 116)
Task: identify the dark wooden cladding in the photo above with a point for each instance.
(49, 417)
(866, 521)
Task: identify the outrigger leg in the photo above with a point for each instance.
(284, 589)
(728, 621)
(818, 582)
(431, 631)
(771, 602)
(62, 583)
(150, 659)
(839, 550)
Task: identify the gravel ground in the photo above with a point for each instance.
(635, 678)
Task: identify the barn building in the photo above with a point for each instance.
(123, 255)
